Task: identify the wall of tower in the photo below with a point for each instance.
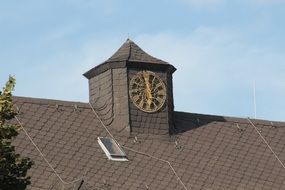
(108, 95)
(152, 123)
(170, 103)
(121, 103)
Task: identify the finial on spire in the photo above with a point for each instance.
(128, 39)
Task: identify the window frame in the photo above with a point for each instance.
(115, 157)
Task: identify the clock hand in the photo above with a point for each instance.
(147, 85)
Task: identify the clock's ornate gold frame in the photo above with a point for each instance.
(147, 91)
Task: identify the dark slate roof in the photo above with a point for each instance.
(206, 153)
(130, 51)
(128, 55)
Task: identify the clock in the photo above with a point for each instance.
(147, 91)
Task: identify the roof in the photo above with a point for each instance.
(128, 55)
(206, 152)
(130, 51)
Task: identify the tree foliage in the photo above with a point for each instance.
(13, 167)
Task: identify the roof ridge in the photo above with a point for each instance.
(130, 50)
(241, 120)
(43, 101)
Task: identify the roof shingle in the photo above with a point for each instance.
(207, 152)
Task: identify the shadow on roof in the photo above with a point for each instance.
(184, 122)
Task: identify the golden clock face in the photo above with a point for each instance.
(147, 91)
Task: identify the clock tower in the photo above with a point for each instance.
(132, 92)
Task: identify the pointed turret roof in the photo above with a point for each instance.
(129, 55)
(131, 52)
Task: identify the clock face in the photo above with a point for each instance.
(147, 91)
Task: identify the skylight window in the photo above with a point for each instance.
(112, 150)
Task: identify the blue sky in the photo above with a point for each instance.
(219, 48)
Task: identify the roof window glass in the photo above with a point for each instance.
(112, 150)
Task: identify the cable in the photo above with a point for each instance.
(64, 183)
(266, 143)
(162, 160)
(175, 173)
